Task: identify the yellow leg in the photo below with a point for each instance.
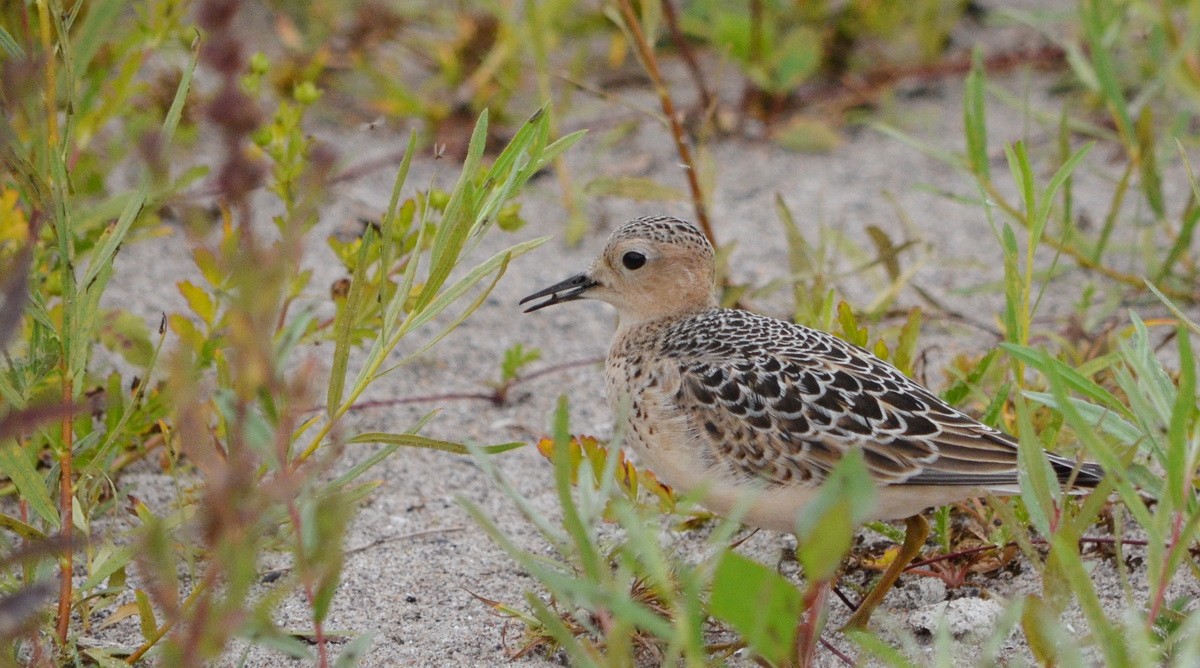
(915, 533)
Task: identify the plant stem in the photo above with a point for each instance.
(66, 513)
(1160, 592)
(576, 223)
(646, 53)
(708, 101)
(318, 624)
(816, 599)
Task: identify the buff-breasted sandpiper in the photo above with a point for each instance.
(739, 404)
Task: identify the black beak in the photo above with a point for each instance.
(566, 291)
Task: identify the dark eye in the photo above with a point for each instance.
(633, 260)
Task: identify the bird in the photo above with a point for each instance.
(744, 406)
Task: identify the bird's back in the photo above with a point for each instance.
(730, 397)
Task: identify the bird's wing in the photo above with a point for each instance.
(783, 404)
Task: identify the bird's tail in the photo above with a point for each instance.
(1081, 476)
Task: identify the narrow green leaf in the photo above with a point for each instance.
(962, 388)
(413, 440)
(171, 121)
(1175, 310)
(1057, 181)
(1099, 450)
(930, 150)
(112, 560)
(523, 142)
(31, 485)
(149, 626)
(632, 187)
(1043, 362)
(26, 531)
(1097, 20)
(448, 297)
(1035, 474)
(975, 119)
(1151, 175)
(906, 345)
(552, 151)
(344, 326)
(1098, 416)
(1080, 582)
(1022, 175)
(369, 462)
(353, 652)
(1179, 476)
(96, 28)
(572, 518)
(389, 216)
(111, 240)
(10, 45)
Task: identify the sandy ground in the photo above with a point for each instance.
(412, 591)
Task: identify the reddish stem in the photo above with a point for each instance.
(66, 514)
(318, 624)
(1160, 592)
(809, 631)
(646, 52)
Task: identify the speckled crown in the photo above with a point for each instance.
(664, 229)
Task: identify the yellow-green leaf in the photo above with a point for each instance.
(632, 187)
(199, 301)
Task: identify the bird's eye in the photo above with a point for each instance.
(633, 260)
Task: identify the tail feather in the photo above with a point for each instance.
(1084, 475)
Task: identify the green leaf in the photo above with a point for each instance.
(795, 58)
(1035, 474)
(10, 45)
(906, 345)
(826, 526)
(104, 659)
(354, 651)
(127, 335)
(109, 561)
(149, 626)
(31, 486)
(1111, 641)
(413, 440)
(94, 31)
(1043, 362)
(111, 240)
(1180, 429)
(497, 262)
(849, 324)
(632, 187)
(1099, 417)
(347, 312)
(758, 603)
(807, 134)
(1097, 21)
(20, 528)
(1057, 181)
(975, 119)
(171, 122)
